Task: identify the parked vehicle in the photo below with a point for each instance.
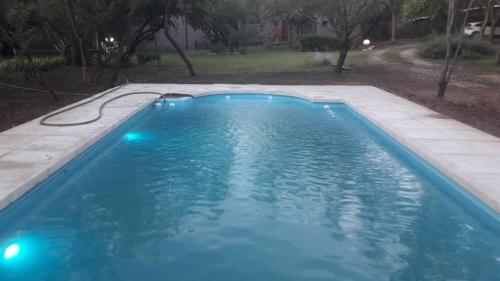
(474, 29)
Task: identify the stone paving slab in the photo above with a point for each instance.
(30, 152)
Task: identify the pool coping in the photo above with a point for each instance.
(30, 153)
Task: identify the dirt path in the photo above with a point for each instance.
(409, 61)
(473, 97)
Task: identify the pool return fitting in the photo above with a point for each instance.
(161, 96)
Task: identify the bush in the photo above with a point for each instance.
(480, 47)
(319, 43)
(471, 48)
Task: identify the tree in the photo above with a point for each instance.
(494, 19)
(295, 13)
(135, 21)
(224, 22)
(180, 52)
(5, 49)
(69, 25)
(346, 17)
(435, 9)
(222, 16)
(487, 6)
(449, 68)
(20, 31)
(69, 7)
(395, 7)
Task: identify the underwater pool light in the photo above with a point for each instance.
(12, 251)
(132, 136)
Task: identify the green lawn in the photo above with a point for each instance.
(44, 63)
(484, 63)
(255, 61)
(481, 63)
(394, 54)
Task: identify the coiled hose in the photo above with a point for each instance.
(44, 122)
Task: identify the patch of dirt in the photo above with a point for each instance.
(473, 98)
(410, 54)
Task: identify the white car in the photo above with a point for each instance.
(474, 28)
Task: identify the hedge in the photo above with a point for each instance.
(319, 43)
(471, 48)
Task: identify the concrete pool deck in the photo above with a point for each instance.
(31, 152)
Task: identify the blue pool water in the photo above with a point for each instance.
(247, 188)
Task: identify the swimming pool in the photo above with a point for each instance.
(250, 188)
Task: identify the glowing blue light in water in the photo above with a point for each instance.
(11, 251)
(132, 136)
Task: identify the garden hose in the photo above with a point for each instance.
(44, 122)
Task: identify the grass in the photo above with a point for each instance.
(254, 61)
(43, 63)
(483, 63)
(394, 54)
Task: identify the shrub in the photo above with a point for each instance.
(471, 48)
(319, 43)
(480, 47)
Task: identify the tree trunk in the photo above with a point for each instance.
(157, 54)
(393, 26)
(116, 69)
(79, 39)
(186, 38)
(6, 50)
(443, 80)
(74, 55)
(342, 57)
(494, 23)
(180, 52)
(486, 18)
(449, 68)
(83, 58)
(442, 85)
